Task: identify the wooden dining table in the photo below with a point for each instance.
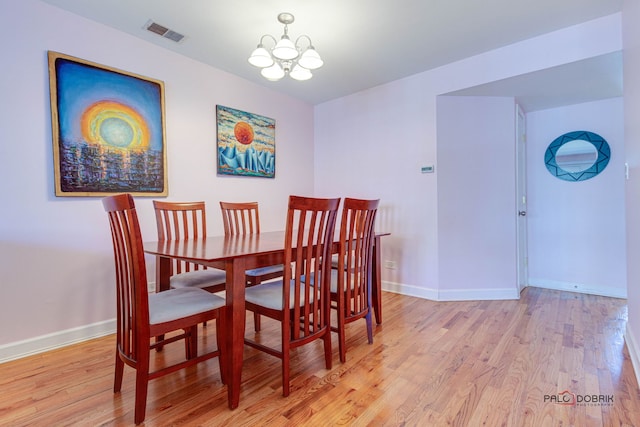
(235, 255)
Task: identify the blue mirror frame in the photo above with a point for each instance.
(604, 153)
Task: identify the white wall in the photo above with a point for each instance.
(577, 229)
(372, 145)
(476, 189)
(631, 58)
(55, 253)
(374, 142)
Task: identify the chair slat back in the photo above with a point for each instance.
(131, 277)
(180, 221)
(355, 253)
(240, 218)
(310, 225)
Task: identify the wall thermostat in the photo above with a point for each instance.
(427, 169)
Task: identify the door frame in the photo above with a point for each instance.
(521, 199)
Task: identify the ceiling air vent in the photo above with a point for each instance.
(163, 31)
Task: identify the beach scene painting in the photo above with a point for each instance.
(246, 143)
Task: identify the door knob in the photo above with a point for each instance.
(522, 213)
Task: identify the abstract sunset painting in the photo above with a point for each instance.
(108, 130)
(246, 143)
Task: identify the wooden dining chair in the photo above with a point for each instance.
(351, 281)
(303, 310)
(351, 274)
(244, 219)
(142, 316)
(187, 220)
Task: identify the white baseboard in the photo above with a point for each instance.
(452, 295)
(634, 350)
(478, 294)
(579, 288)
(412, 291)
(17, 350)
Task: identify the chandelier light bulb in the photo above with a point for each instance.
(300, 73)
(273, 73)
(285, 49)
(261, 57)
(310, 59)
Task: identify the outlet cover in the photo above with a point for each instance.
(390, 264)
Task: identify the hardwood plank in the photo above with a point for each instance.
(484, 363)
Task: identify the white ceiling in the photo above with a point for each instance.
(365, 43)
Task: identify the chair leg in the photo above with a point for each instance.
(327, 349)
(342, 349)
(256, 322)
(221, 342)
(286, 336)
(117, 382)
(158, 339)
(367, 319)
(142, 383)
(187, 345)
(191, 342)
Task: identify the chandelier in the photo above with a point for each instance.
(295, 59)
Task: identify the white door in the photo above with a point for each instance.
(521, 199)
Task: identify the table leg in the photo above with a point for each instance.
(163, 273)
(377, 281)
(236, 316)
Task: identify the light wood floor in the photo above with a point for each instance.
(479, 363)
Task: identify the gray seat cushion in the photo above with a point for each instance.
(334, 280)
(178, 303)
(265, 270)
(198, 279)
(269, 295)
(334, 260)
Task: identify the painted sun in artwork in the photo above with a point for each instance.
(243, 133)
(115, 125)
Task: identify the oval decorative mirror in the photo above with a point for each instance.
(577, 156)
